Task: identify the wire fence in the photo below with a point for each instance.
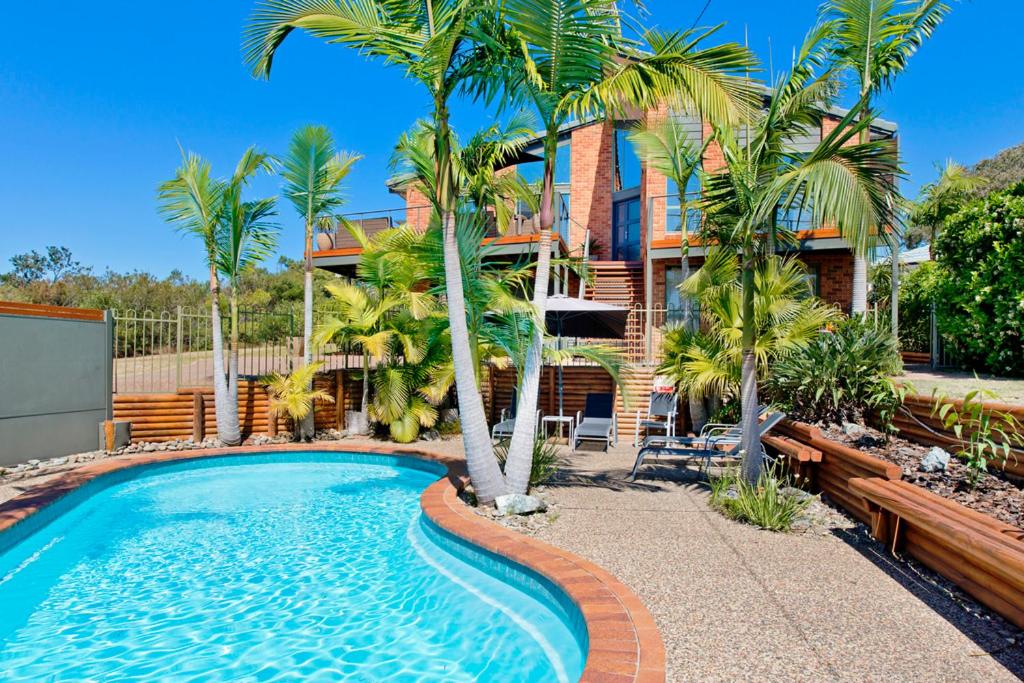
(163, 351)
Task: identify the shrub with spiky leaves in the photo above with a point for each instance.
(293, 395)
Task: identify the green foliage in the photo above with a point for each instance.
(291, 395)
(985, 435)
(840, 375)
(546, 460)
(981, 299)
(918, 288)
(707, 362)
(768, 504)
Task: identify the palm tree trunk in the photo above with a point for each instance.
(750, 444)
(484, 472)
(520, 449)
(227, 431)
(894, 294)
(698, 415)
(305, 428)
(860, 262)
(232, 406)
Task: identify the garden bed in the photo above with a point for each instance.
(993, 495)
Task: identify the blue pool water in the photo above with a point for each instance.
(300, 566)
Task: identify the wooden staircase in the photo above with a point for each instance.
(617, 282)
(639, 382)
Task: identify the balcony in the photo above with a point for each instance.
(336, 250)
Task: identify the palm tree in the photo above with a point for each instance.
(841, 182)
(666, 148)
(874, 40)
(293, 395)
(570, 58)
(247, 235)
(940, 200)
(432, 41)
(709, 362)
(194, 201)
(313, 173)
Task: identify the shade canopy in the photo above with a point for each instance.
(571, 317)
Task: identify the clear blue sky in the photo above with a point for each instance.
(95, 97)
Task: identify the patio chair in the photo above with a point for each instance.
(597, 421)
(662, 409)
(507, 420)
(722, 432)
(707, 450)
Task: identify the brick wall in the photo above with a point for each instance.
(835, 276)
(417, 208)
(590, 187)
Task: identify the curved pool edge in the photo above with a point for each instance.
(624, 642)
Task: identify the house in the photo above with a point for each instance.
(625, 220)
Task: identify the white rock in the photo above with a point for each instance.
(851, 429)
(519, 504)
(936, 460)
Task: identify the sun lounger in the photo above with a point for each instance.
(507, 420)
(710, 448)
(661, 415)
(597, 421)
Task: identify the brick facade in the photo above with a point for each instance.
(591, 186)
(834, 269)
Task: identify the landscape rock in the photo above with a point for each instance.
(936, 461)
(519, 504)
(852, 429)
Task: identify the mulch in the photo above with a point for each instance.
(994, 494)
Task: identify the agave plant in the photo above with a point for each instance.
(293, 395)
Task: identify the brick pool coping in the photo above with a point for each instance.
(625, 644)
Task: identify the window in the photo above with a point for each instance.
(674, 298)
(794, 218)
(533, 171)
(674, 213)
(812, 279)
(626, 175)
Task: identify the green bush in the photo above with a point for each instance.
(546, 460)
(769, 505)
(843, 373)
(918, 288)
(981, 301)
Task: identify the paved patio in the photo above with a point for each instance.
(737, 603)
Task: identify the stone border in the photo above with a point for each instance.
(624, 642)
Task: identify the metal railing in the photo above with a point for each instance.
(164, 351)
(645, 333)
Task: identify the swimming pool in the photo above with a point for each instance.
(299, 565)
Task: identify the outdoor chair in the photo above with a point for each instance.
(706, 450)
(722, 432)
(662, 409)
(507, 420)
(597, 421)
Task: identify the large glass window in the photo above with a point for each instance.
(674, 212)
(626, 230)
(533, 172)
(626, 174)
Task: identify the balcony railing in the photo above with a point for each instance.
(524, 222)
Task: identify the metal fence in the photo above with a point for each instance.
(168, 350)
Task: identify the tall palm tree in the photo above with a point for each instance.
(841, 182)
(247, 235)
(432, 41)
(194, 201)
(874, 40)
(313, 173)
(666, 147)
(570, 58)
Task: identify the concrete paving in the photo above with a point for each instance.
(737, 603)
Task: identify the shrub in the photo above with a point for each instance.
(546, 460)
(918, 289)
(772, 504)
(839, 376)
(981, 302)
(984, 434)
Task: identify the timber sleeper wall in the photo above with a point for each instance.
(190, 413)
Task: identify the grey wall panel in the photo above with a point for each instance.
(54, 385)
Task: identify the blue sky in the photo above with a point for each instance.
(96, 97)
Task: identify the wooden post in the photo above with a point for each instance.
(551, 390)
(108, 435)
(339, 398)
(198, 417)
